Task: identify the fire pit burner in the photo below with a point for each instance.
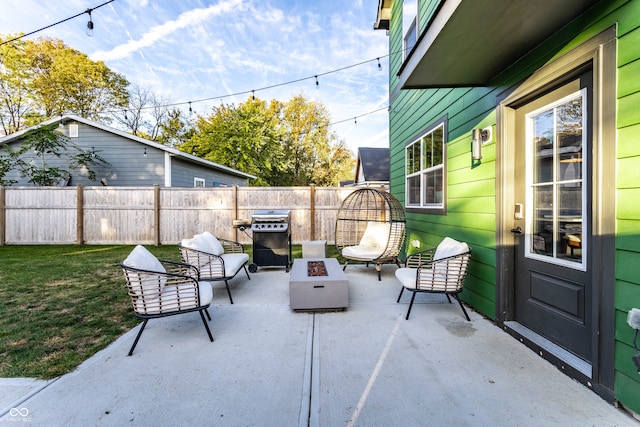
(316, 268)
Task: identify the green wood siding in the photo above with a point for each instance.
(627, 285)
(471, 193)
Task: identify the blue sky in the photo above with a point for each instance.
(189, 50)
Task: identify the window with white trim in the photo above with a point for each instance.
(198, 182)
(425, 166)
(409, 25)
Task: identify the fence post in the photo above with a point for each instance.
(3, 224)
(234, 215)
(312, 208)
(79, 215)
(156, 213)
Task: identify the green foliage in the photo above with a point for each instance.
(15, 74)
(41, 146)
(174, 130)
(44, 78)
(8, 161)
(283, 144)
(243, 137)
(67, 81)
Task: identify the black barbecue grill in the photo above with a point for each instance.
(271, 239)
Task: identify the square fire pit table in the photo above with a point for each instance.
(318, 284)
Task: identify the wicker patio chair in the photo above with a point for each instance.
(216, 259)
(439, 270)
(164, 288)
(370, 227)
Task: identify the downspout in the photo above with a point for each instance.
(167, 169)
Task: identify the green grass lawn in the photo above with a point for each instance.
(60, 304)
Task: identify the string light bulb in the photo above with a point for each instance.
(190, 109)
(379, 65)
(89, 29)
(317, 83)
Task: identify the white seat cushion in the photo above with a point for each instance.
(233, 263)
(407, 277)
(362, 252)
(429, 281)
(169, 299)
(206, 292)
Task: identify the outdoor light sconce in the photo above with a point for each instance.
(633, 319)
(145, 151)
(479, 138)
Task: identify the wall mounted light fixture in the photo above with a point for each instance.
(479, 138)
(145, 151)
(633, 319)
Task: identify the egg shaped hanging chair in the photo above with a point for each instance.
(370, 227)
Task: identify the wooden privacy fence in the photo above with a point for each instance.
(154, 215)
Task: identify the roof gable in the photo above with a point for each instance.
(171, 151)
(373, 163)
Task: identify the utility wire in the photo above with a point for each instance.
(57, 23)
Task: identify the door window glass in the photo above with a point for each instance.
(556, 192)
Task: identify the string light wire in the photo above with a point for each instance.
(221, 97)
(59, 22)
(252, 92)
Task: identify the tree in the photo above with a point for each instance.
(314, 153)
(15, 75)
(145, 114)
(243, 137)
(8, 161)
(38, 154)
(44, 78)
(283, 144)
(65, 80)
(174, 130)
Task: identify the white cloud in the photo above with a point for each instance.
(188, 50)
(162, 31)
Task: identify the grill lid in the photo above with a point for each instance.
(270, 221)
(271, 216)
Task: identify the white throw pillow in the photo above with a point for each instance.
(376, 235)
(213, 243)
(204, 242)
(142, 259)
(148, 284)
(449, 247)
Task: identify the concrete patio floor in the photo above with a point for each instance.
(270, 366)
